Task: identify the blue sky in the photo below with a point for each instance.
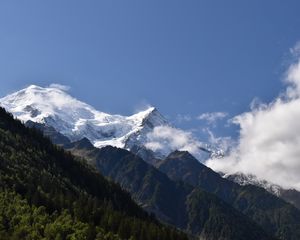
(184, 57)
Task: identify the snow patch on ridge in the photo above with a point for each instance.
(250, 179)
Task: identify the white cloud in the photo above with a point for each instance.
(212, 117)
(225, 143)
(295, 51)
(60, 87)
(269, 141)
(165, 139)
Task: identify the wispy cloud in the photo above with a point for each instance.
(165, 139)
(226, 143)
(269, 141)
(60, 87)
(212, 117)
(142, 106)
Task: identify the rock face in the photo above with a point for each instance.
(57, 110)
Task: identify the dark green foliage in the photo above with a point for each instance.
(47, 194)
(19, 220)
(200, 213)
(274, 215)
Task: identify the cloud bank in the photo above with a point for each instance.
(269, 143)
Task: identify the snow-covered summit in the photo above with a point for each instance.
(76, 120)
(36, 103)
(53, 107)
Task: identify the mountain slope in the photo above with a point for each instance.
(289, 195)
(176, 203)
(273, 214)
(45, 193)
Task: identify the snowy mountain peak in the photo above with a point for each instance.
(152, 117)
(74, 119)
(37, 104)
(55, 108)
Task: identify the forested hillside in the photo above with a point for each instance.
(47, 194)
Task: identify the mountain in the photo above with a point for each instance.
(289, 195)
(53, 109)
(46, 193)
(179, 191)
(191, 209)
(274, 215)
(75, 119)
